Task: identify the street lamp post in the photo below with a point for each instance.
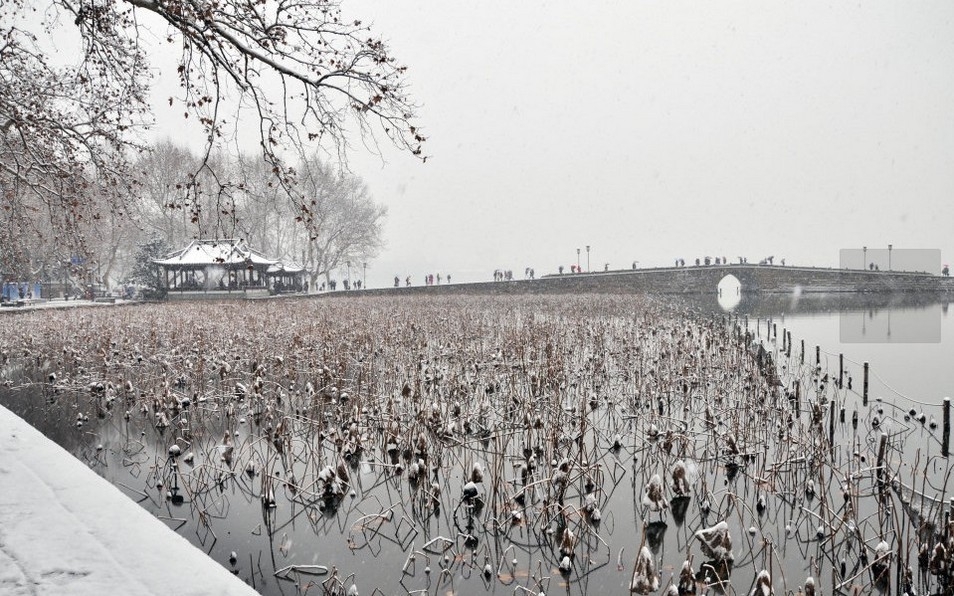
(587, 258)
(864, 257)
(578, 260)
(889, 257)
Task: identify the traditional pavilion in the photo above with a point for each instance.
(220, 268)
(286, 277)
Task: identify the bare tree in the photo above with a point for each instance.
(310, 74)
(265, 217)
(45, 217)
(63, 129)
(348, 223)
(345, 222)
(67, 233)
(111, 244)
(159, 208)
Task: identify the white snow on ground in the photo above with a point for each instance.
(65, 530)
(59, 303)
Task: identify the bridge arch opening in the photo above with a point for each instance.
(730, 292)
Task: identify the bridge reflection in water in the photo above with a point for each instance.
(902, 317)
(729, 292)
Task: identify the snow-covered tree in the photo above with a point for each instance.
(309, 76)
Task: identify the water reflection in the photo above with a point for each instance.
(766, 304)
(729, 293)
(892, 325)
(908, 338)
(863, 318)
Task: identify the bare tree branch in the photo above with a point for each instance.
(311, 76)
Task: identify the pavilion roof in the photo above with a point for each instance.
(285, 267)
(201, 253)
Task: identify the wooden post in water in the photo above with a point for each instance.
(831, 426)
(798, 398)
(817, 355)
(789, 351)
(841, 370)
(882, 444)
(880, 471)
(864, 390)
(946, 437)
(803, 352)
(774, 331)
(783, 340)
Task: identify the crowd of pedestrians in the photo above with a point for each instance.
(707, 261)
(430, 279)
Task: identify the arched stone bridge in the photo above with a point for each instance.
(763, 278)
(706, 279)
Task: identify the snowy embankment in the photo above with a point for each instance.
(65, 530)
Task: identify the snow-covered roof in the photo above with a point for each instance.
(201, 253)
(286, 267)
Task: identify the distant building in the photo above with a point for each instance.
(224, 268)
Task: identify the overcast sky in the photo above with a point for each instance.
(656, 130)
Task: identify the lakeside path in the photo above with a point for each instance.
(60, 304)
(66, 530)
